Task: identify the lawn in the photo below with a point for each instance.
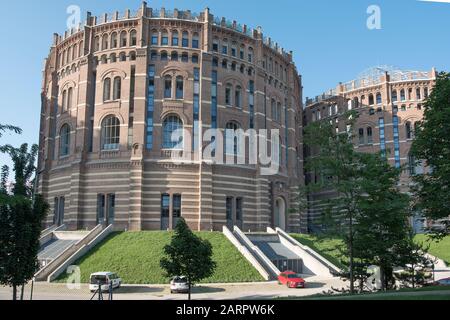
(329, 248)
(438, 249)
(135, 257)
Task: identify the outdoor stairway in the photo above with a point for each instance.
(280, 255)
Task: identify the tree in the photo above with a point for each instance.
(432, 145)
(338, 167)
(21, 221)
(382, 227)
(3, 129)
(188, 256)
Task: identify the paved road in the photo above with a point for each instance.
(250, 291)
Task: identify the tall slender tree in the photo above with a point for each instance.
(432, 145)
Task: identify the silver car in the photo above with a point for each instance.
(179, 285)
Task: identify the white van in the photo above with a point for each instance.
(104, 278)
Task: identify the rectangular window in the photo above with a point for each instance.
(233, 52)
(396, 141)
(251, 103)
(361, 136)
(185, 42)
(155, 40)
(176, 206)
(195, 44)
(150, 105)
(165, 41)
(224, 49)
(229, 208)
(239, 205)
(215, 47)
(382, 137)
(165, 206)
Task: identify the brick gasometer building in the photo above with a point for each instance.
(116, 89)
(389, 102)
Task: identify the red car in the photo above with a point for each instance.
(291, 280)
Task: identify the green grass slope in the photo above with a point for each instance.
(440, 249)
(135, 257)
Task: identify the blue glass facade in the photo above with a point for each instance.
(150, 106)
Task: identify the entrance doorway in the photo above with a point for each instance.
(279, 219)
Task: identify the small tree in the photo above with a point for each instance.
(20, 221)
(432, 145)
(188, 256)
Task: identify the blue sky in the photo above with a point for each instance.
(329, 38)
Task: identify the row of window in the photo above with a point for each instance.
(115, 40)
(377, 98)
(232, 49)
(174, 56)
(104, 59)
(365, 135)
(116, 89)
(68, 55)
(163, 38)
(233, 66)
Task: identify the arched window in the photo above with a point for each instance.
(133, 56)
(356, 102)
(164, 56)
(175, 38)
(69, 54)
(402, 95)
(107, 89)
(133, 38)
(195, 41)
(185, 39)
(64, 141)
(104, 59)
(425, 93)
(250, 72)
(418, 94)
(110, 139)
(123, 39)
(81, 49)
(96, 44)
(114, 42)
(215, 46)
(164, 38)
(155, 37)
(215, 62)
(174, 56)
(75, 52)
(274, 109)
(117, 88)
(184, 57)
(231, 138)
(394, 96)
(369, 135)
(238, 97)
(233, 49)
(225, 64)
(250, 55)
(179, 87)
(167, 87)
(371, 100)
(379, 99)
(112, 58)
(195, 58)
(242, 68)
(361, 136)
(69, 98)
(105, 45)
(409, 133)
(228, 90)
(122, 57)
(242, 52)
(172, 132)
(64, 101)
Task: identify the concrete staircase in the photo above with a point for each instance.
(60, 248)
(275, 251)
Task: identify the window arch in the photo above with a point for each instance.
(238, 97)
(133, 38)
(164, 56)
(233, 66)
(225, 63)
(122, 57)
(195, 41)
(231, 147)
(371, 100)
(64, 101)
(104, 59)
(64, 141)
(394, 96)
(242, 68)
(69, 98)
(195, 58)
(174, 56)
(117, 88)
(171, 132)
(402, 95)
(112, 58)
(228, 91)
(175, 39)
(114, 42)
(379, 99)
(110, 138)
(154, 55)
(179, 87)
(164, 38)
(250, 55)
(155, 37)
(96, 44)
(215, 62)
(369, 135)
(168, 87)
(133, 56)
(107, 89)
(184, 57)
(409, 133)
(361, 136)
(123, 39)
(185, 39)
(215, 46)
(105, 44)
